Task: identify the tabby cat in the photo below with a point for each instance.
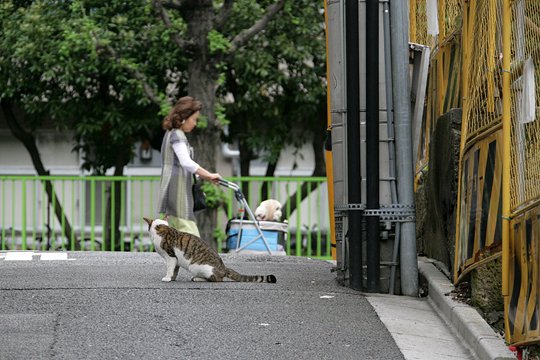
(190, 252)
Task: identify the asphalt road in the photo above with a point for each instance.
(114, 306)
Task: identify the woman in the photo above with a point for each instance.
(175, 197)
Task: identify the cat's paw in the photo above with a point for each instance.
(166, 279)
(199, 279)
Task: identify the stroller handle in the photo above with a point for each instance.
(228, 184)
(237, 192)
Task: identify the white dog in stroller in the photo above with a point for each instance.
(269, 210)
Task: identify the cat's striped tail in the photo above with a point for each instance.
(231, 274)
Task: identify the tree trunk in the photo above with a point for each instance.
(202, 84)
(318, 148)
(29, 143)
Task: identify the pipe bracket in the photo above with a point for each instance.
(387, 212)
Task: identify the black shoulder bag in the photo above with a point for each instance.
(199, 197)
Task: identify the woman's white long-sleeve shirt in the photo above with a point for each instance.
(182, 153)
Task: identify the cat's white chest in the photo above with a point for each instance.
(157, 242)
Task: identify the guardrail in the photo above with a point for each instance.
(105, 212)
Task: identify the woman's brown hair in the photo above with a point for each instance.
(184, 108)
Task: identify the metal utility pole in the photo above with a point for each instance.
(400, 78)
(354, 176)
(373, 247)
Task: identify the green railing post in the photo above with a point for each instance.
(103, 214)
(63, 235)
(82, 211)
(309, 221)
(13, 213)
(319, 238)
(92, 214)
(112, 191)
(298, 219)
(23, 215)
(53, 216)
(43, 217)
(34, 214)
(3, 214)
(288, 212)
(122, 213)
(72, 235)
(141, 202)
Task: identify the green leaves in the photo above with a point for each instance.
(214, 196)
(74, 62)
(217, 42)
(278, 81)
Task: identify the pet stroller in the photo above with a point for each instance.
(251, 235)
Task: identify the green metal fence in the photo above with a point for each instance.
(105, 213)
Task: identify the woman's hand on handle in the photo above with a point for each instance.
(206, 175)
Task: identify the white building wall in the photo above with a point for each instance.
(55, 149)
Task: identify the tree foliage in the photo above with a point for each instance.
(279, 94)
(85, 65)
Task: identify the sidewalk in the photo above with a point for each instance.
(467, 324)
(101, 305)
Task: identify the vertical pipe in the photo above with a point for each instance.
(328, 154)
(372, 143)
(342, 243)
(391, 137)
(506, 118)
(404, 171)
(352, 59)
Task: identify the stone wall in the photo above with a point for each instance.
(436, 194)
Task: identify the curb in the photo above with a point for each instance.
(481, 339)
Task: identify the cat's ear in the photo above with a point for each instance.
(148, 221)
